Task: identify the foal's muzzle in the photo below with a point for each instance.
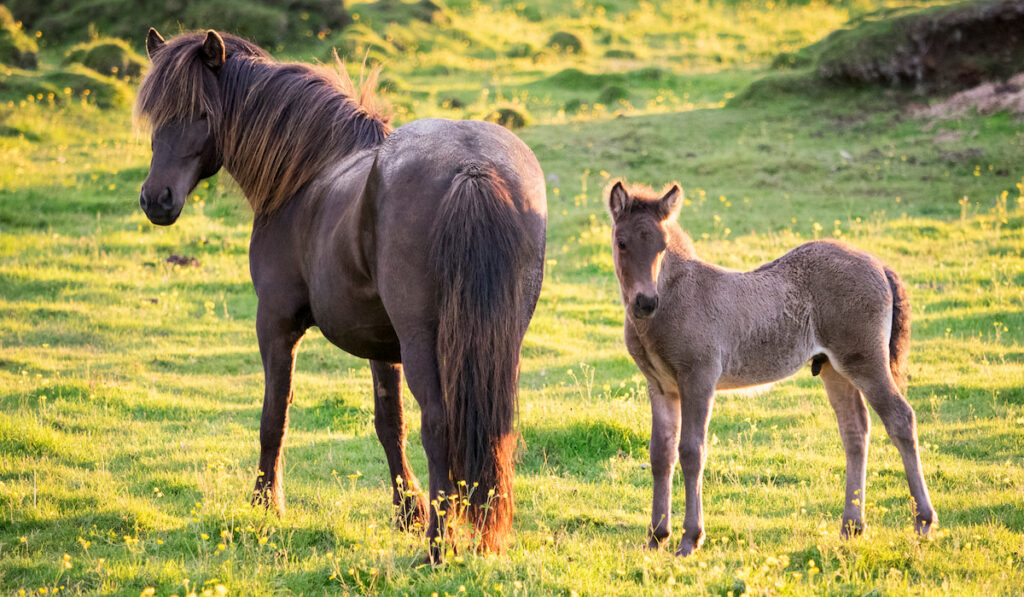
(159, 206)
(644, 306)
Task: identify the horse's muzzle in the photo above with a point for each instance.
(644, 306)
(160, 209)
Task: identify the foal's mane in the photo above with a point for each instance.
(277, 125)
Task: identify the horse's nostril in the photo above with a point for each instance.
(644, 305)
(142, 200)
(164, 200)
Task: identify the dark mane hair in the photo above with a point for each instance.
(277, 125)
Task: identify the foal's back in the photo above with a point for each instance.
(823, 297)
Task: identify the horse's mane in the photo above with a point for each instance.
(277, 125)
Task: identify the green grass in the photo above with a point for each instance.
(130, 389)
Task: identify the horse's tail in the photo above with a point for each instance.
(899, 339)
(478, 248)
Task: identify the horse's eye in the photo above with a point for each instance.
(202, 116)
(621, 244)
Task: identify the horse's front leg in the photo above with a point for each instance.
(665, 423)
(278, 338)
(697, 394)
(389, 420)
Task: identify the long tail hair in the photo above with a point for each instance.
(478, 254)
(899, 339)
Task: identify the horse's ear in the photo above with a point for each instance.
(213, 50)
(154, 41)
(670, 204)
(618, 198)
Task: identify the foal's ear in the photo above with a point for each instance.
(154, 41)
(213, 50)
(670, 204)
(618, 198)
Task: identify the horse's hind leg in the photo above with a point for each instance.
(873, 378)
(419, 361)
(854, 425)
(389, 420)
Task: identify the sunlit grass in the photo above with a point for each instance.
(130, 388)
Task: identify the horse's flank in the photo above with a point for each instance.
(277, 125)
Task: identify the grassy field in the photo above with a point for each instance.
(130, 388)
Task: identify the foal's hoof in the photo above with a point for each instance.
(656, 540)
(851, 528)
(689, 545)
(924, 522)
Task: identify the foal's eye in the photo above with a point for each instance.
(621, 244)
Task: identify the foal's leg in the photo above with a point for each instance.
(697, 393)
(665, 422)
(875, 381)
(854, 426)
(278, 338)
(420, 363)
(389, 421)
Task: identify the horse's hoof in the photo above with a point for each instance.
(851, 528)
(654, 542)
(689, 545)
(411, 514)
(924, 523)
(267, 498)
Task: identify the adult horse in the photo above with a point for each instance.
(420, 249)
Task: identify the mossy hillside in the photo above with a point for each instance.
(932, 50)
(268, 23)
(17, 49)
(946, 47)
(73, 82)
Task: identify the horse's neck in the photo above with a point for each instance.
(680, 246)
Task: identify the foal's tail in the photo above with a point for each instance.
(478, 248)
(899, 339)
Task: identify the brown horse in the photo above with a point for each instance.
(419, 249)
(693, 328)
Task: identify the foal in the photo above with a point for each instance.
(693, 328)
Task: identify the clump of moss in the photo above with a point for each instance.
(520, 50)
(16, 48)
(620, 53)
(510, 117)
(108, 56)
(565, 41)
(573, 106)
(612, 95)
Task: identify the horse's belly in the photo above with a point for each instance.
(366, 336)
(759, 366)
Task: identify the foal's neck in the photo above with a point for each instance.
(680, 245)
